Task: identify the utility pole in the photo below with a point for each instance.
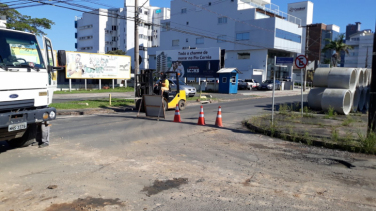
(136, 45)
(372, 100)
(306, 54)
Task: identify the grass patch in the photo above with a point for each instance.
(368, 143)
(347, 121)
(117, 89)
(116, 102)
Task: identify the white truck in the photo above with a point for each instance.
(26, 86)
(248, 84)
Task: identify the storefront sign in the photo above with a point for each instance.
(190, 63)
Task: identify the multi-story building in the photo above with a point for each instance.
(104, 30)
(352, 29)
(252, 33)
(317, 39)
(3, 21)
(361, 54)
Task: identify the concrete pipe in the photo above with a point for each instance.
(365, 76)
(338, 99)
(342, 78)
(320, 77)
(369, 73)
(362, 99)
(314, 98)
(355, 95)
(367, 95)
(360, 77)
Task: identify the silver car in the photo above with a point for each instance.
(189, 90)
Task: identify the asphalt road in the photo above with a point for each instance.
(121, 162)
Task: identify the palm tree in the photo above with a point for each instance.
(338, 46)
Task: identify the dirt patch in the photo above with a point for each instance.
(260, 146)
(247, 182)
(86, 204)
(52, 187)
(159, 186)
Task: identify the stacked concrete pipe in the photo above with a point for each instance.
(336, 89)
(356, 98)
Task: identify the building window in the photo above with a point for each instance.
(200, 40)
(175, 43)
(186, 40)
(209, 3)
(288, 36)
(114, 28)
(222, 20)
(224, 80)
(184, 10)
(158, 11)
(245, 55)
(242, 36)
(146, 13)
(165, 26)
(187, 23)
(233, 80)
(221, 38)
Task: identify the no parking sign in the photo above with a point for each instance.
(301, 61)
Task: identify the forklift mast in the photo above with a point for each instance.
(144, 83)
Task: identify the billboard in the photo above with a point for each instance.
(97, 66)
(192, 63)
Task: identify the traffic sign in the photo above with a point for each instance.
(301, 62)
(284, 61)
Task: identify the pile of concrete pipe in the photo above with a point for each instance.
(343, 89)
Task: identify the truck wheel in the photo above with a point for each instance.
(28, 137)
(181, 105)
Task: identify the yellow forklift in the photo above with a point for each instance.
(174, 96)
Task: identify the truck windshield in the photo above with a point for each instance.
(19, 50)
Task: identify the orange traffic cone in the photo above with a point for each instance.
(201, 118)
(177, 114)
(218, 121)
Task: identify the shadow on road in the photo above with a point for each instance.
(294, 105)
(4, 146)
(186, 123)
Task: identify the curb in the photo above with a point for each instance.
(288, 137)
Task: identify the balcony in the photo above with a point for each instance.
(271, 10)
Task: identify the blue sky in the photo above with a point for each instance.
(339, 12)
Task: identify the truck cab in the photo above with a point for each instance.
(26, 86)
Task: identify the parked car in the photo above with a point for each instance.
(268, 84)
(251, 84)
(241, 84)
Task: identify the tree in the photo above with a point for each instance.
(17, 21)
(116, 52)
(339, 46)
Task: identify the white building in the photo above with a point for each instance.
(304, 11)
(106, 30)
(361, 54)
(251, 32)
(3, 21)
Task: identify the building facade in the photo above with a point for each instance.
(104, 30)
(361, 54)
(3, 21)
(317, 39)
(251, 32)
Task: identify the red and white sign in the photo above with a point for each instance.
(301, 62)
